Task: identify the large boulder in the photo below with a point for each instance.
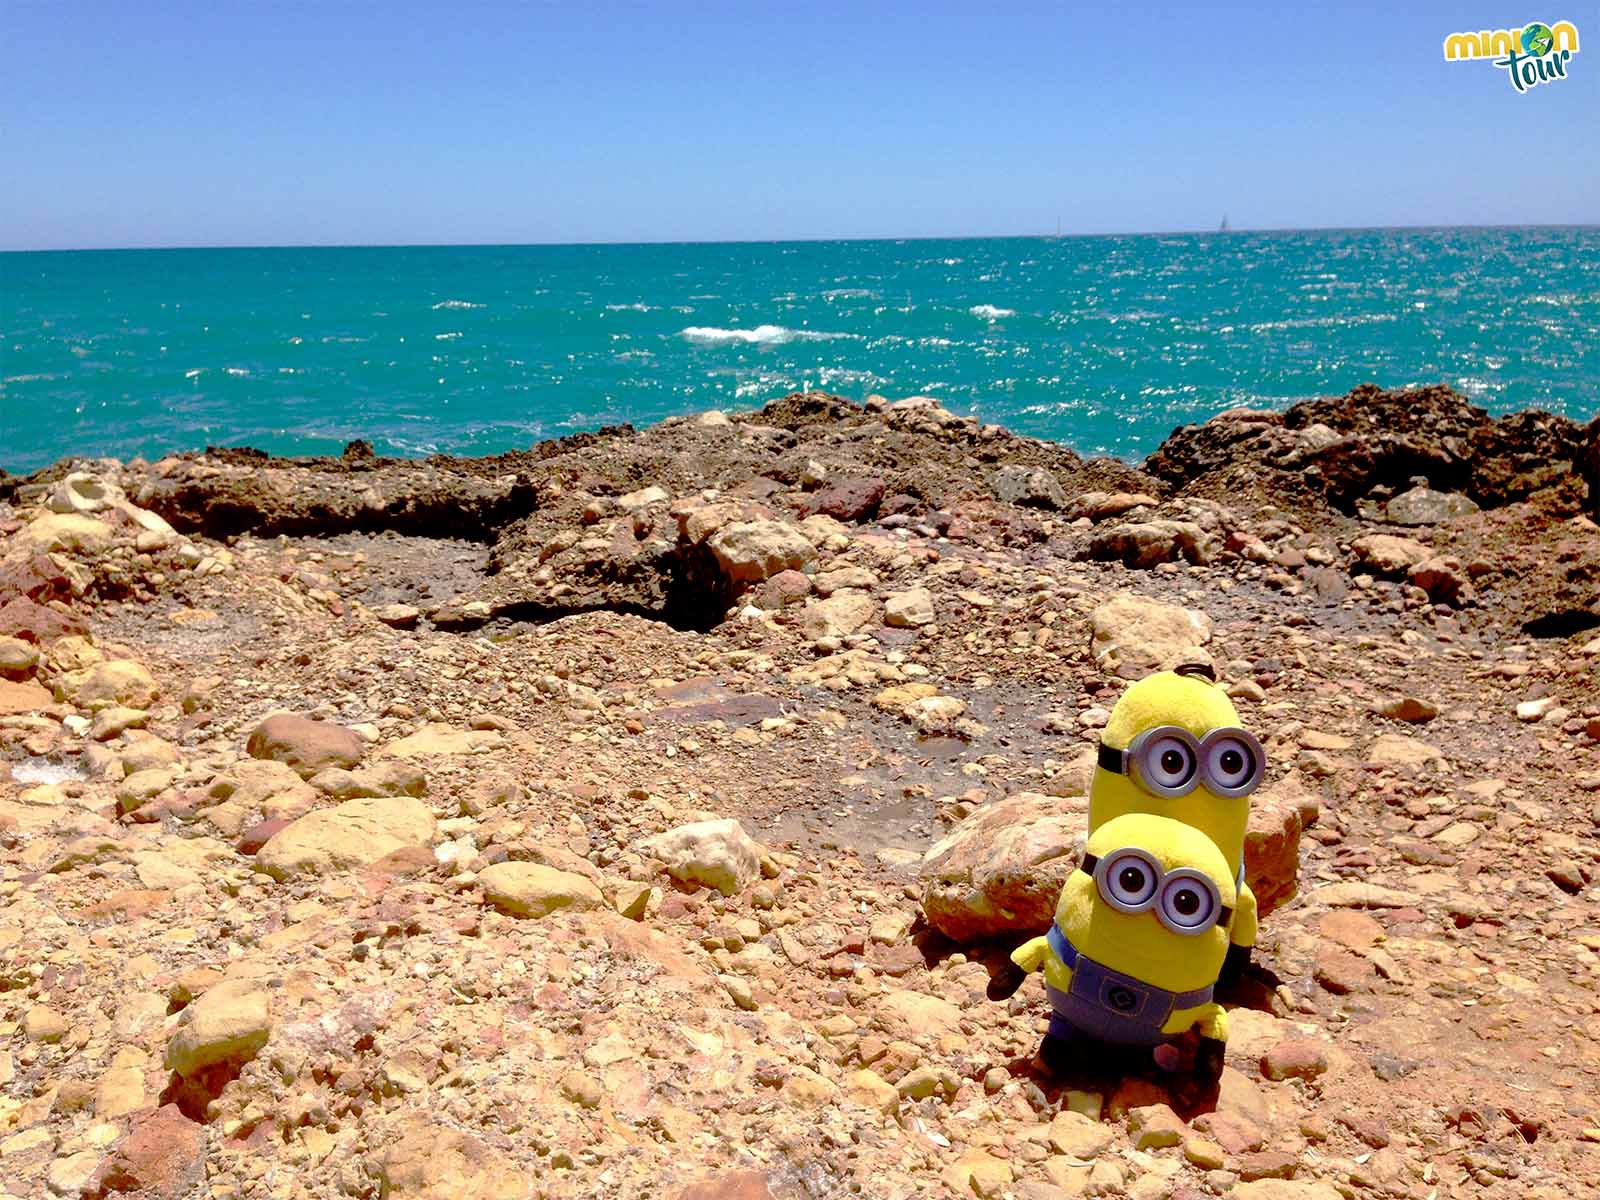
(999, 871)
(1029, 486)
(31, 621)
(227, 1024)
(1146, 544)
(840, 615)
(306, 745)
(751, 551)
(1133, 636)
(82, 493)
(848, 500)
(1424, 506)
(69, 532)
(120, 683)
(1388, 553)
(162, 1157)
(909, 609)
(718, 854)
(354, 834)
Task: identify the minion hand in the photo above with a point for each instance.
(1004, 983)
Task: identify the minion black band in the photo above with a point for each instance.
(1113, 760)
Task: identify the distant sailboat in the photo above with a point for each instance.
(1226, 228)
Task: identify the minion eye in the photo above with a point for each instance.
(1169, 763)
(1234, 763)
(1129, 882)
(1187, 904)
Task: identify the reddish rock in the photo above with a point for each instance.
(1266, 1164)
(784, 588)
(848, 500)
(1351, 929)
(1294, 1058)
(1234, 1133)
(35, 577)
(22, 697)
(1000, 871)
(1272, 844)
(259, 834)
(306, 745)
(33, 622)
(1341, 972)
(732, 1185)
(161, 1158)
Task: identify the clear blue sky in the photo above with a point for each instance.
(143, 123)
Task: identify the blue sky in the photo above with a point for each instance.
(135, 123)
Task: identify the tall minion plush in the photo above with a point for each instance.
(1140, 933)
(1173, 748)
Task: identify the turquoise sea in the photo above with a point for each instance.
(1105, 343)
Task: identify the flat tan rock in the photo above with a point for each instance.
(526, 889)
(354, 834)
(1132, 636)
(443, 740)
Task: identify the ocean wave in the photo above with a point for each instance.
(844, 294)
(761, 335)
(237, 372)
(637, 306)
(456, 304)
(990, 313)
(765, 383)
(445, 337)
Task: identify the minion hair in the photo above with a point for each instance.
(1199, 670)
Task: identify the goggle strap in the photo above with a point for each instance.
(1113, 760)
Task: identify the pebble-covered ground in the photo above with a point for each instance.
(645, 815)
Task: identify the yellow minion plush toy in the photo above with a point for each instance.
(1173, 748)
(1140, 933)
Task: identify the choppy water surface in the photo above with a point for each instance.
(1105, 343)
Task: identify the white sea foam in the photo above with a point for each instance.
(237, 372)
(761, 335)
(42, 770)
(456, 304)
(990, 313)
(194, 372)
(445, 337)
(635, 307)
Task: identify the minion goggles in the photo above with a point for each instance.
(1170, 761)
(1185, 900)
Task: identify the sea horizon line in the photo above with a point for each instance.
(798, 241)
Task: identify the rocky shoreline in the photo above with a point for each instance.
(668, 796)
